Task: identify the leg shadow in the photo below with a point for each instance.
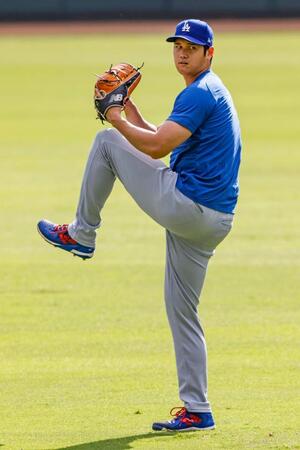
(116, 443)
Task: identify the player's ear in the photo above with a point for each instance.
(211, 51)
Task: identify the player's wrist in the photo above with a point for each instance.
(129, 105)
(114, 114)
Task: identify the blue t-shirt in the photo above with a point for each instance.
(207, 163)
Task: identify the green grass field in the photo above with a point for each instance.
(86, 354)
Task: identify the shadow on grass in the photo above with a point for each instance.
(114, 444)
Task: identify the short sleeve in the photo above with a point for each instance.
(192, 107)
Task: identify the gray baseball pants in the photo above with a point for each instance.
(192, 233)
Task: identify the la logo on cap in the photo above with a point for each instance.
(186, 26)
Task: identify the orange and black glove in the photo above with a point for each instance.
(114, 87)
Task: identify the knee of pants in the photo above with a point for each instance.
(107, 134)
(101, 138)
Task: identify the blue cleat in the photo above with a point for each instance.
(186, 421)
(58, 236)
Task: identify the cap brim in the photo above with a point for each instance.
(195, 41)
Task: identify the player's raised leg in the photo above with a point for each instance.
(111, 157)
(149, 181)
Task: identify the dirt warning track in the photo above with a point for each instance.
(219, 25)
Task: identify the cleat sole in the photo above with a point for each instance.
(184, 430)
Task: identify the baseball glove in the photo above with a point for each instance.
(114, 87)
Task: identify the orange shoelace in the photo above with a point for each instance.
(62, 231)
(187, 418)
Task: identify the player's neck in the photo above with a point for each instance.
(189, 79)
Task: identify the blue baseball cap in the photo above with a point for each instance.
(195, 31)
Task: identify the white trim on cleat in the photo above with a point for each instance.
(81, 254)
(188, 429)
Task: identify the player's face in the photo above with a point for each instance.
(191, 59)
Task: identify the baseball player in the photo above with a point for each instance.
(193, 199)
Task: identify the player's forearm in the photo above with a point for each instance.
(134, 116)
(143, 139)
